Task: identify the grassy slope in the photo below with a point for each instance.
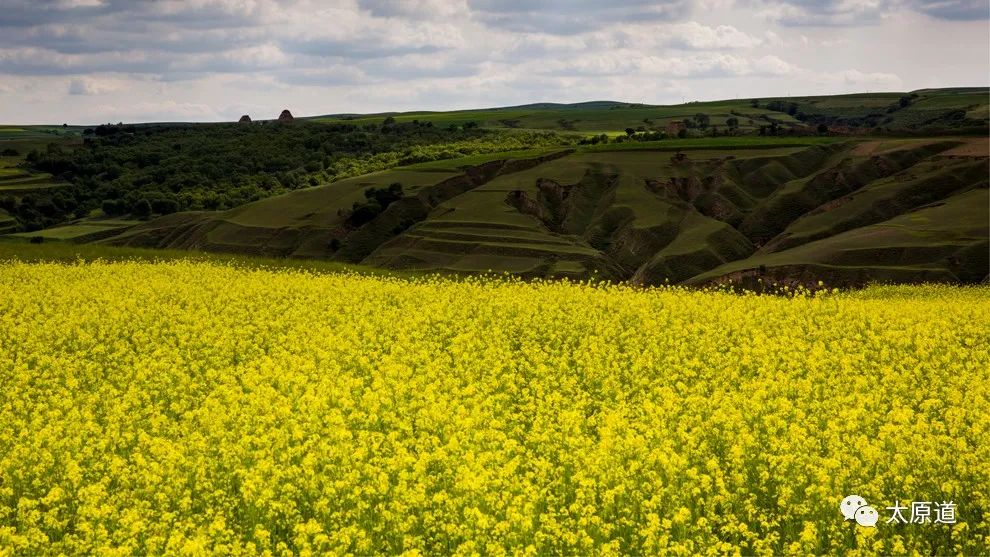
(631, 211)
(81, 230)
(299, 223)
(700, 214)
(944, 241)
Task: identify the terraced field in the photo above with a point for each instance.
(851, 212)
(15, 180)
(81, 231)
(23, 183)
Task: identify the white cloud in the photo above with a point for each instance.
(161, 111)
(76, 60)
(707, 65)
(696, 36)
(92, 86)
(857, 79)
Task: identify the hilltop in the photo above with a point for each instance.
(925, 111)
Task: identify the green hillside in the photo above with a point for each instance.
(848, 189)
(925, 111)
(849, 211)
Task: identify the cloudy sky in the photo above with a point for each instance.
(91, 61)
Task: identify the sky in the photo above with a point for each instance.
(93, 61)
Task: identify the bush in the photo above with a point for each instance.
(114, 207)
(8, 203)
(164, 206)
(141, 208)
(385, 196)
(364, 213)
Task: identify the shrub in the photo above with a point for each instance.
(141, 208)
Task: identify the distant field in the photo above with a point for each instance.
(21, 133)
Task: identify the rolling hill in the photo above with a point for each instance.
(847, 212)
(843, 189)
(920, 112)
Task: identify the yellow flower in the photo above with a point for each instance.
(164, 408)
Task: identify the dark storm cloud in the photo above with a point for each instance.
(566, 17)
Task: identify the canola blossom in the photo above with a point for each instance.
(196, 408)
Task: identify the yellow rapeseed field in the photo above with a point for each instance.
(195, 408)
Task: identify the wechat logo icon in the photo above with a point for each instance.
(855, 508)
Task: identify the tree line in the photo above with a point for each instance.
(155, 169)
